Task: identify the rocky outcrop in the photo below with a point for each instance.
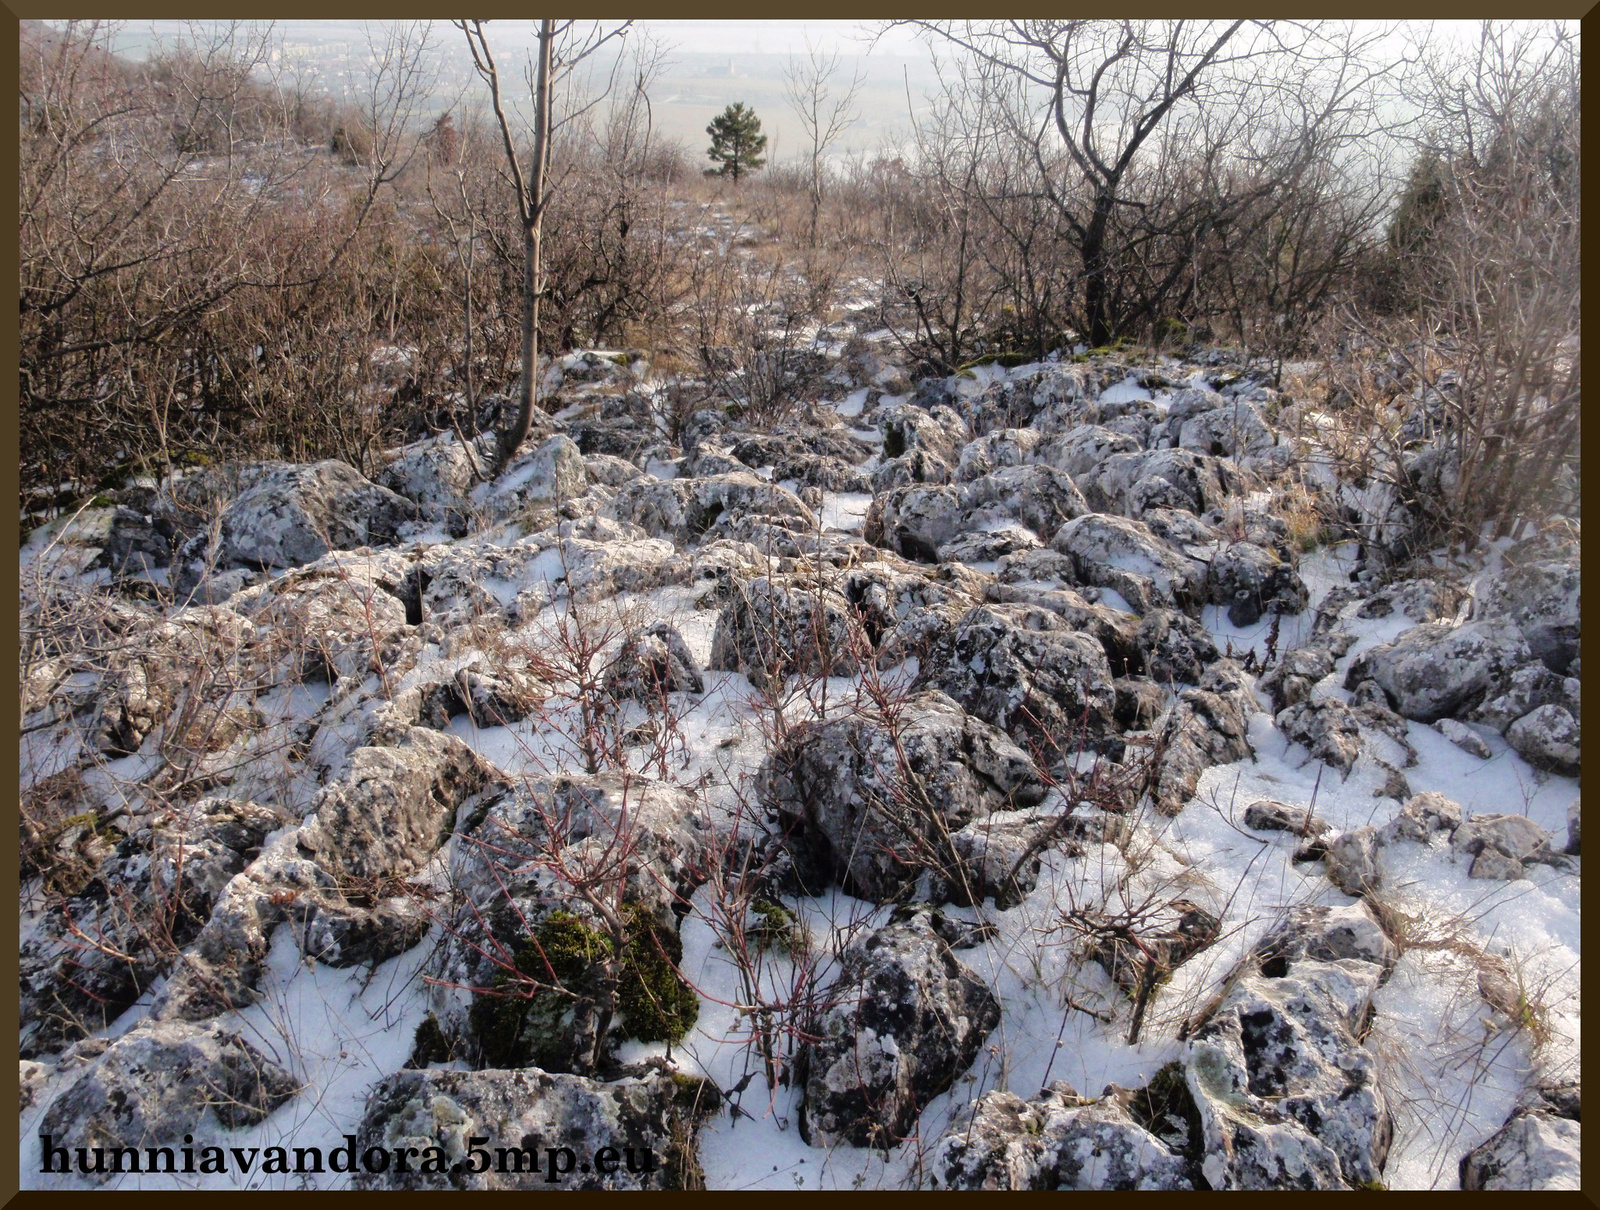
(151, 895)
(1027, 672)
(1207, 726)
(153, 1086)
(1534, 1150)
(573, 1133)
(907, 1018)
(288, 515)
(1437, 670)
(772, 628)
(872, 802)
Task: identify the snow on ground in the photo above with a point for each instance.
(1452, 1073)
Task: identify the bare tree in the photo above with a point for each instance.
(533, 190)
(826, 105)
(1126, 102)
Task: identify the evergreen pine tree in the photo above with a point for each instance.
(736, 141)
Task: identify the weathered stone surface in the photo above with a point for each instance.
(917, 520)
(1251, 581)
(290, 515)
(1531, 686)
(1531, 1151)
(1265, 815)
(654, 663)
(685, 511)
(646, 1121)
(1208, 726)
(772, 628)
(1061, 1141)
(1548, 738)
(1040, 497)
(1544, 600)
(154, 1085)
(907, 1019)
(1423, 817)
(1005, 447)
(491, 695)
(338, 877)
(1173, 647)
(153, 893)
(515, 867)
(871, 802)
(1287, 1096)
(1327, 728)
(1463, 737)
(997, 857)
(1501, 845)
(1124, 555)
(1353, 861)
(1437, 670)
(1081, 450)
(1027, 672)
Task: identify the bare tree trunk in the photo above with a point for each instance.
(532, 269)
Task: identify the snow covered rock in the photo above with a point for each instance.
(156, 890)
(638, 1130)
(154, 1085)
(1544, 601)
(1062, 1141)
(1207, 726)
(1501, 845)
(1530, 687)
(438, 473)
(907, 1018)
(915, 521)
(772, 628)
(1463, 737)
(1287, 1097)
(1531, 1151)
(685, 511)
(1436, 670)
(1082, 449)
(1423, 817)
(1251, 581)
(1124, 555)
(1353, 861)
(870, 801)
(1548, 738)
(906, 428)
(1327, 728)
(1027, 672)
(1266, 815)
(337, 877)
(551, 474)
(654, 663)
(151, 660)
(489, 695)
(1040, 497)
(1130, 483)
(1173, 647)
(291, 515)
